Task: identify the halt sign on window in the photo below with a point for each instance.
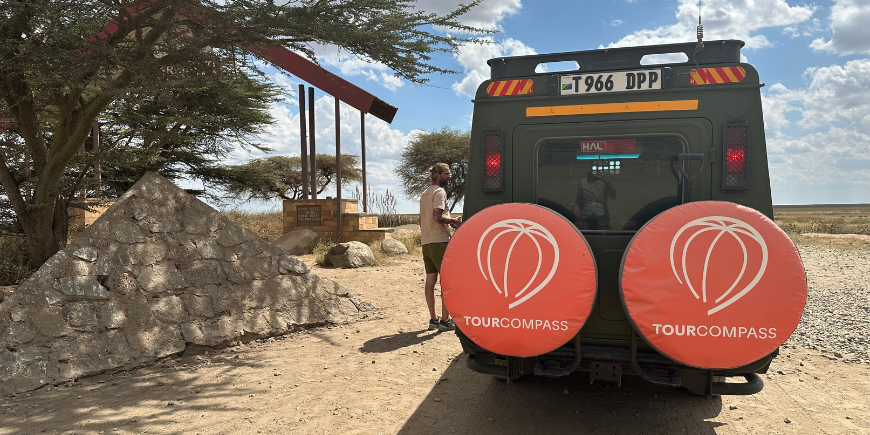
(600, 146)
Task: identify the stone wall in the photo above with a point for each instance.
(159, 271)
(355, 226)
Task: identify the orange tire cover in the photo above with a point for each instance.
(713, 284)
(518, 279)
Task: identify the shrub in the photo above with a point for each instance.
(412, 244)
(790, 228)
(14, 263)
(826, 226)
(320, 250)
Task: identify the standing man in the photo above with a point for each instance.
(590, 204)
(434, 235)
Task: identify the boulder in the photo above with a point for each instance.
(406, 231)
(393, 247)
(299, 242)
(350, 255)
(158, 272)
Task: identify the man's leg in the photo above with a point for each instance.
(431, 278)
(445, 315)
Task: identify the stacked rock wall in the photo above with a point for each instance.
(158, 272)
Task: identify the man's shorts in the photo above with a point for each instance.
(433, 253)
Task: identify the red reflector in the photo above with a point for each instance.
(493, 165)
(493, 177)
(736, 161)
(736, 154)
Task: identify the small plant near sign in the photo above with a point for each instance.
(385, 205)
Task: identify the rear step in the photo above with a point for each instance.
(617, 355)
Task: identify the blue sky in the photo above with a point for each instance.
(813, 57)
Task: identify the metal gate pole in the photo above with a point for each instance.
(338, 163)
(304, 143)
(362, 128)
(313, 154)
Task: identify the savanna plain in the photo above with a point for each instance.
(387, 374)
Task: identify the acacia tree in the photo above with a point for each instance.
(278, 177)
(446, 145)
(179, 133)
(61, 66)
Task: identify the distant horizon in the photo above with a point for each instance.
(824, 205)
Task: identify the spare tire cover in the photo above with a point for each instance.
(713, 284)
(518, 279)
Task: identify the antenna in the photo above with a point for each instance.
(700, 31)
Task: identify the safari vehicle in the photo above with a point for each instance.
(662, 135)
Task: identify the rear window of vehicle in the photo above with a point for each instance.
(609, 183)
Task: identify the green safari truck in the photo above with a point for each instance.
(661, 135)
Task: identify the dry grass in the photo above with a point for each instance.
(412, 244)
(828, 226)
(268, 225)
(836, 241)
(826, 219)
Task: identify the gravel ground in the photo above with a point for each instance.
(837, 316)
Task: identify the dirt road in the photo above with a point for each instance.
(388, 375)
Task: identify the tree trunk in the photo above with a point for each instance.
(46, 229)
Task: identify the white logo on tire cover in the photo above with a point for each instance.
(734, 228)
(522, 227)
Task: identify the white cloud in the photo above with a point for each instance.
(831, 144)
(616, 23)
(838, 95)
(473, 59)
(486, 15)
(849, 24)
(723, 19)
(350, 65)
(806, 28)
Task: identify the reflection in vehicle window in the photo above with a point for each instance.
(609, 183)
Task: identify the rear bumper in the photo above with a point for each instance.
(619, 361)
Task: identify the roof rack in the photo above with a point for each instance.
(623, 57)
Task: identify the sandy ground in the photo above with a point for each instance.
(386, 374)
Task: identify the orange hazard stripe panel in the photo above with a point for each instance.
(590, 109)
(712, 76)
(510, 87)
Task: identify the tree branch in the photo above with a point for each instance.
(11, 187)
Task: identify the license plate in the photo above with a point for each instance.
(612, 81)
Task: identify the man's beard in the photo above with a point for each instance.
(443, 183)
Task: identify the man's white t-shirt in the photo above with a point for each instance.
(430, 230)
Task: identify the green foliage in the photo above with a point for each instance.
(278, 177)
(14, 263)
(446, 145)
(179, 132)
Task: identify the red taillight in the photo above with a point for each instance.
(493, 165)
(736, 161)
(736, 153)
(493, 151)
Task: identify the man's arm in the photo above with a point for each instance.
(608, 186)
(438, 216)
